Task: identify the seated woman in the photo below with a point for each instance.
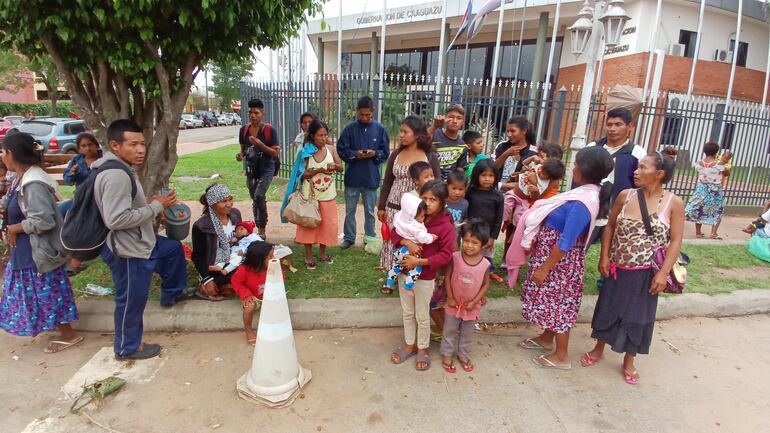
(759, 244)
(211, 236)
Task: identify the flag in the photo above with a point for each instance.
(467, 18)
(481, 15)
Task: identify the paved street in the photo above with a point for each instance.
(704, 375)
(197, 140)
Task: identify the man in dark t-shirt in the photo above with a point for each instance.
(259, 151)
(447, 138)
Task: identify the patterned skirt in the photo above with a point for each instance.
(555, 304)
(32, 304)
(706, 205)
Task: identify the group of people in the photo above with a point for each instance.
(442, 201)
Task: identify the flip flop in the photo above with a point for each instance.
(467, 364)
(549, 363)
(589, 361)
(628, 376)
(716, 237)
(209, 298)
(402, 354)
(328, 259)
(62, 345)
(494, 277)
(422, 358)
(699, 235)
(531, 344)
(251, 342)
(449, 368)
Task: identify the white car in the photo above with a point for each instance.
(192, 121)
(182, 124)
(223, 120)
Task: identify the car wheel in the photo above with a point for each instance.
(71, 152)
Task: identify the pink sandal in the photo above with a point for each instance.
(589, 361)
(629, 376)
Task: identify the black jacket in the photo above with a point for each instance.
(204, 240)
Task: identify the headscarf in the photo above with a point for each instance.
(214, 195)
(295, 179)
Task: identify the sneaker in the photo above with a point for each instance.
(145, 351)
(346, 244)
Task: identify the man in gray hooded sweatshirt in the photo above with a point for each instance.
(132, 250)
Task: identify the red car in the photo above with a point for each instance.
(5, 125)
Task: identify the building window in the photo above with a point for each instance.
(742, 52)
(687, 38)
(672, 130)
(727, 135)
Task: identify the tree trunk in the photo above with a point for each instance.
(53, 95)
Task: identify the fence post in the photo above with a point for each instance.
(559, 114)
(716, 127)
(376, 94)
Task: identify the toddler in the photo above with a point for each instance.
(760, 222)
(456, 204)
(467, 281)
(249, 283)
(243, 237)
(408, 223)
(725, 159)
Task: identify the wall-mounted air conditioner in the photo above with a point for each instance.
(723, 56)
(676, 50)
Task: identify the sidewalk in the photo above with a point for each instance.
(703, 375)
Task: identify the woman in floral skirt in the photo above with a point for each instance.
(37, 295)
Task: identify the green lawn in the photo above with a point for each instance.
(353, 275)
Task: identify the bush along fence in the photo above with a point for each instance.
(670, 119)
(63, 108)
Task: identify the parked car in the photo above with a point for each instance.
(192, 121)
(16, 120)
(236, 118)
(208, 117)
(182, 124)
(5, 125)
(56, 134)
(223, 120)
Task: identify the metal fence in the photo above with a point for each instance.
(673, 119)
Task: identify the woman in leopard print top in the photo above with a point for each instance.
(624, 316)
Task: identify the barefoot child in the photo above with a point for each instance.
(486, 203)
(467, 281)
(249, 283)
(409, 224)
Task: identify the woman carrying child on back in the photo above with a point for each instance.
(485, 202)
(467, 281)
(249, 283)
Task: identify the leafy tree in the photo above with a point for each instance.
(44, 69)
(227, 80)
(138, 59)
(11, 65)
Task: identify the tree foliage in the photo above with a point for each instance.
(138, 59)
(227, 79)
(11, 66)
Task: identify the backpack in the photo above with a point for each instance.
(83, 232)
(267, 133)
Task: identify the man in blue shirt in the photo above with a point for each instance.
(364, 146)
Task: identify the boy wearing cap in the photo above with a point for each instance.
(244, 236)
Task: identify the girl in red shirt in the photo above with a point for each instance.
(249, 283)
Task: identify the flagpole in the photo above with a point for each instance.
(382, 59)
(735, 54)
(339, 70)
(465, 67)
(440, 77)
(518, 57)
(547, 81)
(697, 48)
(495, 59)
(647, 76)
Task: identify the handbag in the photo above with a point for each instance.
(303, 211)
(678, 276)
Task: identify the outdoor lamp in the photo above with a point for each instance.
(581, 30)
(614, 20)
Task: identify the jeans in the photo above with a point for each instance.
(369, 196)
(132, 278)
(258, 186)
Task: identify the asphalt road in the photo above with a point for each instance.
(199, 139)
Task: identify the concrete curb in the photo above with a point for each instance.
(202, 316)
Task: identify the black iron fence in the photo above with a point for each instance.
(673, 119)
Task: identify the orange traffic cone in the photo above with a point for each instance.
(276, 377)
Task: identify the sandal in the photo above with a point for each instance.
(699, 235)
(425, 359)
(494, 277)
(310, 265)
(589, 361)
(716, 237)
(531, 344)
(402, 354)
(386, 290)
(202, 295)
(252, 341)
(540, 360)
(326, 259)
(467, 364)
(57, 346)
(628, 376)
(449, 368)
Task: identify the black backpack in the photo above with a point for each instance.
(83, 233)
